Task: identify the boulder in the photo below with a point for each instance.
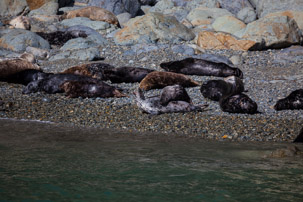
(35, 4)
(228, 24)
(153, 27)
(265, 7)
(296, 15)
(118, 6)
(49, 8)
(178, 12)
(93, 13)
(88, 54)
(19, 39)
(96, 25)
(202, 3)
(272, 32)
(213, 40)
(12, 7)
(83, 43)
(162, 6)
(206, 16)
(247, 15)
(234, 6)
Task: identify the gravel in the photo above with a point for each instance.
(265, 81)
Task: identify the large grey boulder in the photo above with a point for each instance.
(205, 3)
(247, 15)
(151, 28)
(96, 25)
(234, 6)
(12, 7)
(88, 54)
(83, 43)
(19, 39)
(49, 8)
(272, 32)
(228, 24)
(270, 6)
(162, 6)
(118, 6)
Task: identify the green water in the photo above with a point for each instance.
(46, 162)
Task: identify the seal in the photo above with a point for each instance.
(74, 89)
(20, 22)
(25, 77)
(216, 89)
(51, 83)
(159, 79)
(238, 103)
(299, 138)
(153, 106)
(11, 66)
(95, 70)
(94, 13)
(293, 101)
(174, 93)
(59, 38)
(195, 66)
(126, 74)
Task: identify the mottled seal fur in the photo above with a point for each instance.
(195, 66)
(59, 38)
(93, 13)
(216, 89)
(158, 79)
(174, 93)
(95, 70)
(293, 101)
(74, 89)
(153, 106)
(126, 74)
(238, 103)
(52, 82)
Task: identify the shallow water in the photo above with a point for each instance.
(48, 162)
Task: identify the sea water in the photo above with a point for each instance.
(49, 162)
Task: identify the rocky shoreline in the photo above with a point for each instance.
(269, 75)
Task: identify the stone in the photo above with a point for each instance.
(118, 6)
(148, 2)
(49, 8)
(162, 6)
(83, 43)
(123, 18)
(265, 7)
(247, 15)
(179, 13)
(228, 24)
(12, 7)
(206, 16)
(46, 18)
(212, 40)
(37, 52)
(151, 28)
(35, 4)
(93, 13)
(80, 54)
(183, 49)
(96, 25)
(296, 15)
(19, 39)
(202, 3)
(234, 6)
(272, 32)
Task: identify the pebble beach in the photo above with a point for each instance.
(265, 81)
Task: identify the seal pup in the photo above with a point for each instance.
(159, 79)
(238, 103)
(74, 89)
(153, 106)
(195, 66)
(95, 70)
(94, 13)
(293, 101)
(126, 74)
(174, 93)
(20, 22)
(52, 82)
(59, 38)
(216, 89)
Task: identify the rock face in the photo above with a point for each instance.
(19, 39)
(205, 16)
(93, 13)
(273, 32)
(12, 7)
(153, 27)
(228, 24)
(118, 6)
(211, 40)
(265, 7)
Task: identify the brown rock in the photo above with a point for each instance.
(93, 13)
(213, 40)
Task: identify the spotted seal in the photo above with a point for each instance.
(159, 79)
(293, 101)
(174, 93)
(238, 103)
(153, 105)
(201, 67)
(216, 89)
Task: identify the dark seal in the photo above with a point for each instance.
(174, 93)
(195, 66)
(239, 103)
(299, 138)
(216, 89)
(293, 101)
